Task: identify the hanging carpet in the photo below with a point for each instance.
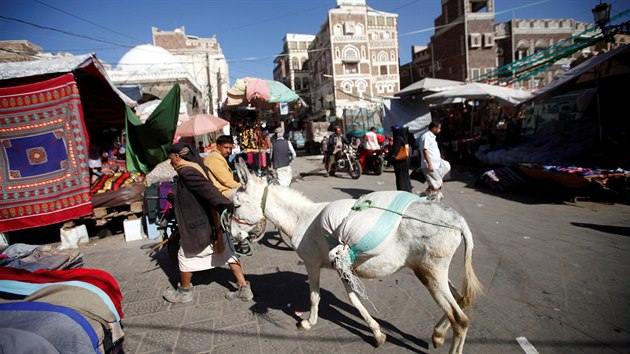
(43, 155)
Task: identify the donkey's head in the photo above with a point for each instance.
(248, 219)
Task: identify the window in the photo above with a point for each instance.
(346, 86)
(379, 88)
(359, 30)
(475, 40)
(488, 40)
(383, 70)
(392, 56)
(390, 88)
(351, 54)
(337, 30)
(382, 57)
(348, 28)
(361, 86)
(350, 68)
(305, 83)
(474, 73)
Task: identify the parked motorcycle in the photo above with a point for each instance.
(372, 161)
(349, 162)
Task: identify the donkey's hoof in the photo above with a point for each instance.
(305, 325)
(380, 339)
(437, 339)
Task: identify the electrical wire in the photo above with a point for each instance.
(88, 21)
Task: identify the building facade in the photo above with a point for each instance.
(353, 61)
(203, 59)
(292, 64)
(23, 50)
(468, 44)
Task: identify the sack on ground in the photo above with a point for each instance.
(403, 153)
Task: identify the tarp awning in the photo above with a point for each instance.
(413, 114)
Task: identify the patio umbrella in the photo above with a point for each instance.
(260, 93)
(476, 91)
(200, 124)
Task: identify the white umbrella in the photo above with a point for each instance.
(476, 91)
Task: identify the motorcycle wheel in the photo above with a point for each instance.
(173, 246)
(356, 171)
(378, 168)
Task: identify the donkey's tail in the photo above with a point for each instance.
(471, 287)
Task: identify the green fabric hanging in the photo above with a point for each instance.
(147, 143)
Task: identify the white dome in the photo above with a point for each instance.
(147, 57)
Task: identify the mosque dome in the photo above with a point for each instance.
(147, 57)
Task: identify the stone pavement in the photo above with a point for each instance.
(555, 273)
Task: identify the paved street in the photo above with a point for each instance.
(556, 274)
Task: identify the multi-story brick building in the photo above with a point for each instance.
(292, 64)
(353, 61)
(468, 44)
(203, 59)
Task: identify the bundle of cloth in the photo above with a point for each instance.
(59, 311)
(39, 257)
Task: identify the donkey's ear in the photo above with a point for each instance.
(242, 171)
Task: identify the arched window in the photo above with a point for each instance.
(379, 88)
(305, 83)
(298, 84)
(358, 30)
(361, 86)
(295, 63)
(386, 35)
(350, 54)
(373, 57)
(337, 30)
(363, 56)
(382, 57)
(346, 86)
(392, 56)
(337, 54)
(390, 88)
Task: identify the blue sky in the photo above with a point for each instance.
(245, 29)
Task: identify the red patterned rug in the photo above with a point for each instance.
(43, 155)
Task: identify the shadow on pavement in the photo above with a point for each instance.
(288, 292)
(617, 230)
(354, 192)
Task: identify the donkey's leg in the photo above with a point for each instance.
(444, 324)
(436, 281)
(313, 271)
(376, 329)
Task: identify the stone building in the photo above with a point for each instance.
(468, 44)
(24, 50)
(292, 64)
(203, 59)
(156, 70)
(353, 62)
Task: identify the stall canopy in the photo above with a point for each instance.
(414, 114)
(103, 104)
(478, 91)
(427, 85)
(614, 63)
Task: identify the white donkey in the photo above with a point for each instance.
(418, 242)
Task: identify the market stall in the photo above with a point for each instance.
(254, 106)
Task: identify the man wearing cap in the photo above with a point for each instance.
(282, 154)
(197, 206)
